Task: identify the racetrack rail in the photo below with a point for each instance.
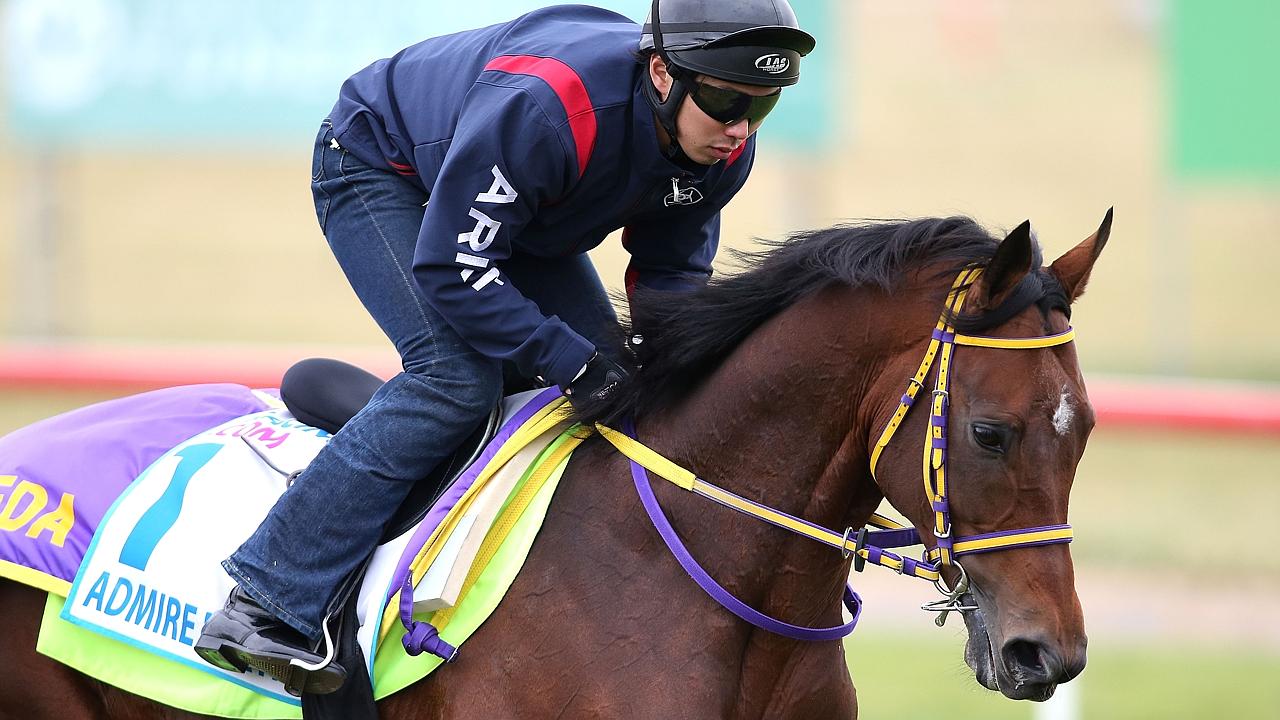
(1163, 403)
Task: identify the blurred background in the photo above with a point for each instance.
(156, 228)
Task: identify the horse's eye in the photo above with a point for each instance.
(989, 437)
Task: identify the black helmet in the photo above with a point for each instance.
(756, 42)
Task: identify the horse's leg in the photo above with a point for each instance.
(32, 686)
(35, 687)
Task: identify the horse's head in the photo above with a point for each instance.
(1015, 425)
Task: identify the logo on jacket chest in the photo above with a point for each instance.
(682, 195)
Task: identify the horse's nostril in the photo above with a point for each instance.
(1032, 662)
(1024, 654)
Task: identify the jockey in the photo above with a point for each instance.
(460, 184)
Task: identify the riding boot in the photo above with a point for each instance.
(243, 635)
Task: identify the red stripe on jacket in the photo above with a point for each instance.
(733, 156)
(402, 168)
(568, 87)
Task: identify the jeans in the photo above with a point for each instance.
(329, 521)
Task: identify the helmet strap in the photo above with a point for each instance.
(665, 110)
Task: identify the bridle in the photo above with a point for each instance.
(947, 548)
(865, 545)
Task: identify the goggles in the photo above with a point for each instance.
(732, 106)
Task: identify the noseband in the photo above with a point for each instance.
(865, 545)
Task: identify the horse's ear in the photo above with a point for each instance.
(1010, 264)
(1072, 269)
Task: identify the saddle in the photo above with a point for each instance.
(327, 393)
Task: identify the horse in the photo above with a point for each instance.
(776, 382)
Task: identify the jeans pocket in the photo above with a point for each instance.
(317, 155)
(318, 158)
(322, 200)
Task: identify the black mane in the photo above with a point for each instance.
(687, 335)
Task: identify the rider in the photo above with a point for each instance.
(532, 140)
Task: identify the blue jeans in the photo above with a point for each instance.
(329, 521)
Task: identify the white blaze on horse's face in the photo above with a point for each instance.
(1064, 414)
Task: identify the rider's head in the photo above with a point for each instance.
(716, 68)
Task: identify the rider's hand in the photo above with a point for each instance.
(599, 378)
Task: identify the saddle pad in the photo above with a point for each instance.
(192, 689)
(58, 476)
(150, 581)
(152, 575)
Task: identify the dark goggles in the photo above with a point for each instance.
(731, 106)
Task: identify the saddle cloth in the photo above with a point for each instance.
(150, 575)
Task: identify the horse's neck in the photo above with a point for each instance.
(781, 423)
(785, 420)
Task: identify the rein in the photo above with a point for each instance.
(865, 545)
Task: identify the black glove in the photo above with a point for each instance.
(598, 381)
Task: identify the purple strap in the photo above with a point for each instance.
(712, 588)
(422, 635)
(425, 636)
(905, 537)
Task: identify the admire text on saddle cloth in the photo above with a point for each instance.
(152, 575)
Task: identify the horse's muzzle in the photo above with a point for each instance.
(1034, 669)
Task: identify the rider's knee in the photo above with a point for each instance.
(472, 385)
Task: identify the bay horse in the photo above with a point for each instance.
(776, 383)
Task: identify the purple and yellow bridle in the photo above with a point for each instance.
(869, 544)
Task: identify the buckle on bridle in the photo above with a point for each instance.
(845, 552)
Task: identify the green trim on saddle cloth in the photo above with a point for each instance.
(181, 686)
(143, 673)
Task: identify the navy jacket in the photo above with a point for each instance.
(533, 137)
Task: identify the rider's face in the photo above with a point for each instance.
(704, 139)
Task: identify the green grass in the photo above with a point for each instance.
(914, 676)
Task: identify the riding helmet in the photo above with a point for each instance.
(756, 42)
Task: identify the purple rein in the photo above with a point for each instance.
(713, 588)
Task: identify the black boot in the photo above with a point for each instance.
(242, 635)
